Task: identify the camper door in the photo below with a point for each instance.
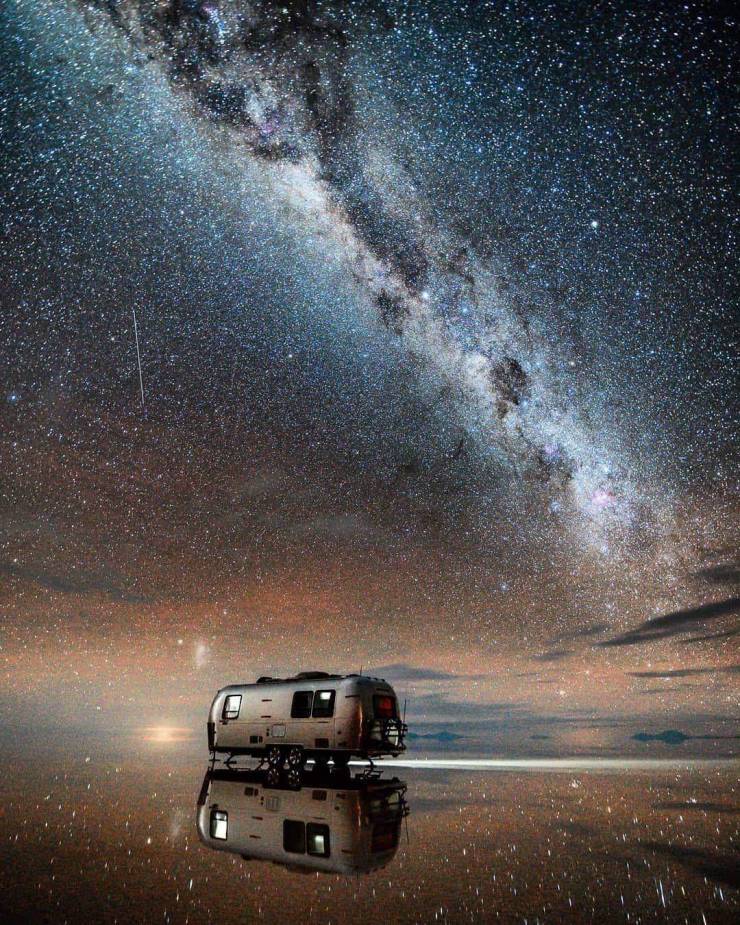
(312, 718)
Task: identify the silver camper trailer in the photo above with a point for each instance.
(312, 716)
(351, 827)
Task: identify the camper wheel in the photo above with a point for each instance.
(293, 778)
(275, 756)
(295, 756)
(272, 776)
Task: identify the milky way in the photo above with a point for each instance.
(432, 358)
(288, 82)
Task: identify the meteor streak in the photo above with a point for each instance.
(138, 358)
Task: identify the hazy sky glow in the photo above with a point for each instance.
(435, 320)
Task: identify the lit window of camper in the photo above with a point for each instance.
(301, 707)
(384, 706)
(385, 836)
(317, 839)
(232, 705)
(306, 838)
(219, 824)
(323, 704)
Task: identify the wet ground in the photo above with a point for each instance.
(100, 834)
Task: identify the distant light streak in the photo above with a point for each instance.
(555, 764)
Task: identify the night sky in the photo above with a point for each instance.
(434, 305)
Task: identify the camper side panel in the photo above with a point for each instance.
(251, 718)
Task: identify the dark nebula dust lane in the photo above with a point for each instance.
(291, 88)
(432, 358)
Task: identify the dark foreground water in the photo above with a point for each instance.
(90, 837)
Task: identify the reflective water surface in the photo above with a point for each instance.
(93, 834)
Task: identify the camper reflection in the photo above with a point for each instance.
(346, 828)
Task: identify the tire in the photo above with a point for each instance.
(295, 757)
(272, 776)
(293, 777)
(340, 761)
(275, 756)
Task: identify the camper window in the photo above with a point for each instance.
(294, 836)
(323, 704)
(232, 705)
(301, 707)
(311, 838)
(219, 824)
(385, 836)
(317, 839)
(384, 706)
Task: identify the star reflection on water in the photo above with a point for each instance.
(116, 839)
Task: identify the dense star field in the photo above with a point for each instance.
(383, 334)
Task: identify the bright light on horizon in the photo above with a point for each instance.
(166, 735)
